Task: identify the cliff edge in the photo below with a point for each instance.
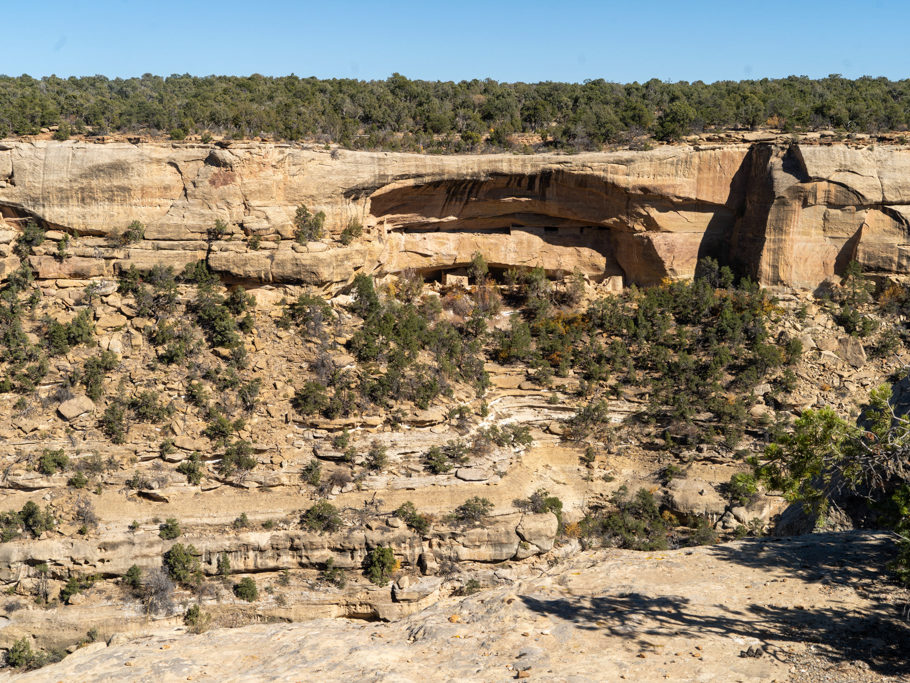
(787, 215)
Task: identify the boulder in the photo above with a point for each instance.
(186, 443)
(412, 590)
(694, 497)
(112, 321)
(538, 530)
(494, 543)
(850, 349)
(74, 407)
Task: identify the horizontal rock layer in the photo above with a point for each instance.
(787, 215)
(511, 536)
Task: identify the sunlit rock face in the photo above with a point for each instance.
(788, 215)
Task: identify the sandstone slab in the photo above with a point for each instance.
(75, 407)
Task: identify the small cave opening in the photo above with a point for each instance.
(439, 275)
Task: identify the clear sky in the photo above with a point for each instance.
(558, 40)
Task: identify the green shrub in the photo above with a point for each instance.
(310, 313)
(218, 230)
(170, 529)
(742, 488)
(473, 510)
(51, 461)
(192, 468)
(352, 231)
(138, 482)
(704, 533)
(113, 422)
(888, 343)
(442, 459)
(248, 394)
(135, 232)
(478, 269)
(312, 473)
(515, 345)
(62, 133)
(224, 565)
(195, 619)
(376, 457)
(416, 521)
(215, 319)
(237, 457)
(540, 502)
(77, 481)
(470, 587)
(238, 301)
(246, 589)
(366, 300)
(321, 517)
(10, 526)
(55, 338)
(20, 655)
(198, 273)
(133, 578)
(219, 428)
(81, 329)
(634, 523)
(182, 563)
(94, 371)
(32, 236)
(59, 337)
(342, 440)
(63, 248)
(379, 565)
(333, 575)
(147, 408)
(76, 584)
(308, 227)
(670, 472)
(34, 520)
(675, 120)
(311, 399)
(436, 461)
(196, 394)
(176, 338)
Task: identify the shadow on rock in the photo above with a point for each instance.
(880, 636)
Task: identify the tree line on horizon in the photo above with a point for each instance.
(436, 116)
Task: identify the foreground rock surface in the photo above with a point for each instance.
(763, 610)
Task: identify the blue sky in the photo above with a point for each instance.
(568, 40)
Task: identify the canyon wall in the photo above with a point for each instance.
(786, 214)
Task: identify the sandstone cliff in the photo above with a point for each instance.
(787, 215)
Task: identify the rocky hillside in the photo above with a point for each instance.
(262, 384)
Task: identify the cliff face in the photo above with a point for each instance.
(788, 215)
